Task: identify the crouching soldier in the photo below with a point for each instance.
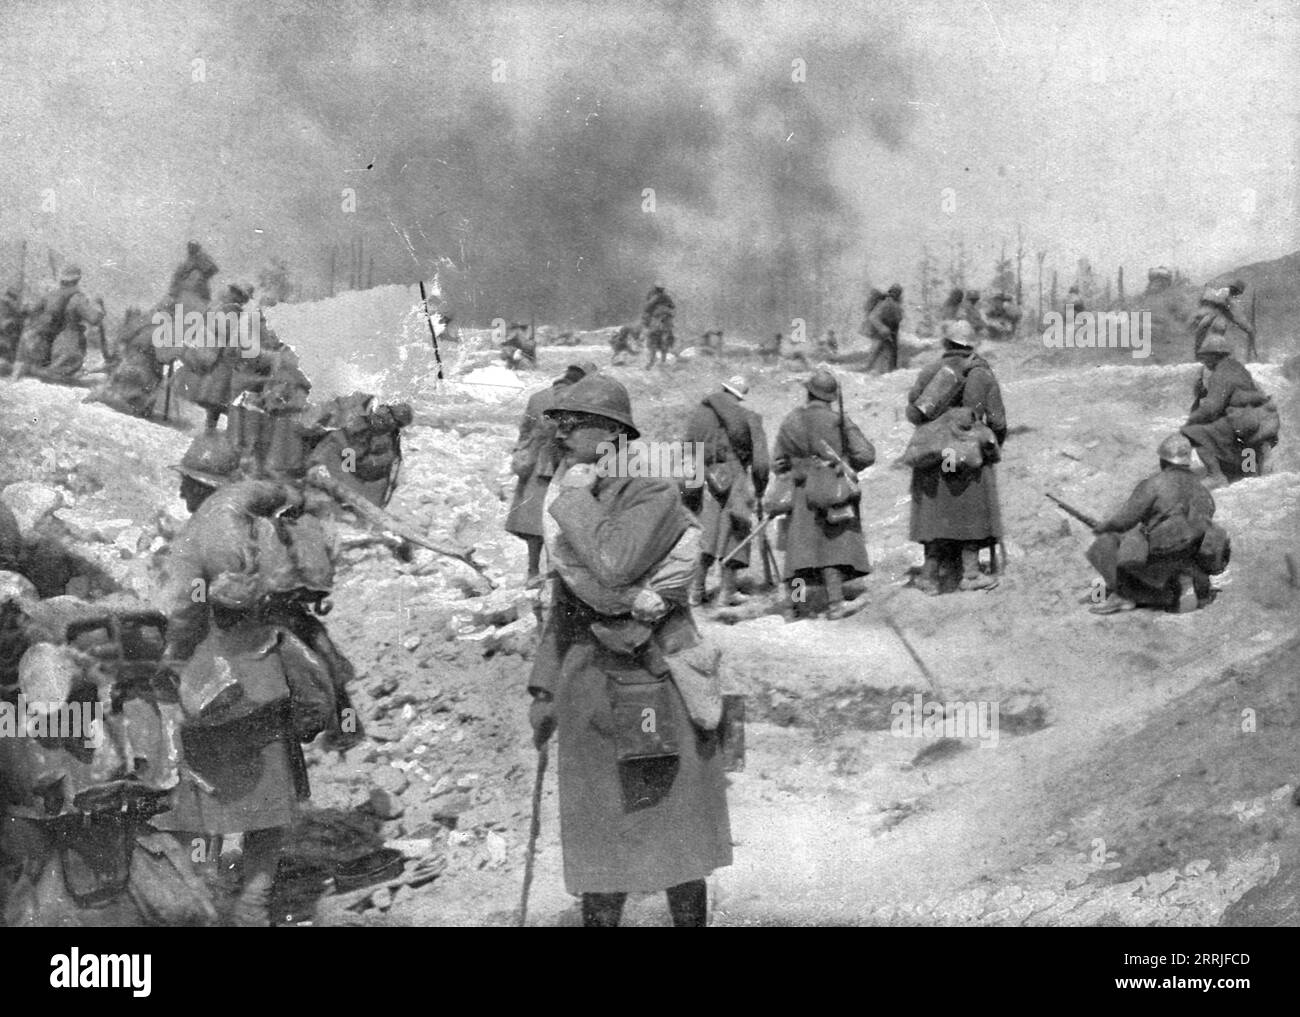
(1233, 425)
(1149, 551)
(643, 803)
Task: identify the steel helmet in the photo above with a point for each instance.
(70, 274)
(1175, 450)
(210, 460)
(600, 395)
(1215, 343)
(737, 386)
(822, 385)
(959, 332)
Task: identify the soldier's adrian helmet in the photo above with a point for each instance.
(1216, 343)
(1175, 450)
(737, 386)
(1237, 287)
(895, 291)
(972, 294)
(822, 385)
(600, 395)
(959, 332)
(70, 274)
(210, 460)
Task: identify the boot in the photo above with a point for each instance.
(688, 903)
(695, 596)
(602, 910)
(261, 859)
(729, 596)
(1263, 459)
(1214, 476)
(971, 576)
(927, 581)
(1114, 604)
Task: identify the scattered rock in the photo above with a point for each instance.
(448, 812)
(382, 898)
(31, 502)
(391, 779)
(385, 805)
(14, 585)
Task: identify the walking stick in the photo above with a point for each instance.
(167, 390)
(437, 354)
(534, 831)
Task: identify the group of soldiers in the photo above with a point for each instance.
(47, 338)
(247, 669)
(622, 674)
(631, 557)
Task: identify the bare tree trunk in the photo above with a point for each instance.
(1042, 256)
(1020, 258)
(333, 255)
(1119, 280)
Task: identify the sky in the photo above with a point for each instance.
(766, 161)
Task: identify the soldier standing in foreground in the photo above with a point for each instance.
(642, 808)
(1147, 551)
(955, 513)
(824, 539)
(533, 460)
(736, 469)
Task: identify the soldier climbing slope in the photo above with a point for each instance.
(54, 344)
(1215, 313)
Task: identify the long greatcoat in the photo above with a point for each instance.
(728, 432)
(642, 826)
(811, 541)
(536, 443)
(960, 505)
(255, 764)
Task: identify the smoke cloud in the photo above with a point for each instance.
(548, 160)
